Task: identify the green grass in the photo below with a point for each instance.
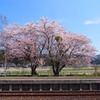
(47, 72)
(50, 77)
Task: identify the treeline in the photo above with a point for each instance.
(96, 60)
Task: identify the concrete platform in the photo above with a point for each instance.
(49, 85)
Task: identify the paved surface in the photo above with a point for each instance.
(41, 81)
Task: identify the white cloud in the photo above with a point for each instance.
(97, 21)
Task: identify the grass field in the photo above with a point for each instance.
(47, 71)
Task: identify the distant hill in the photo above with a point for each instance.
(98, 56)
(96, 60)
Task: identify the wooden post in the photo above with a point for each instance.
(10, 87)
(80, 87)
(90, 87)
(0, 87)
(50, 87)
(60, 87)
(30, 87)
(40, 87)
(70, 88)
(20, 87)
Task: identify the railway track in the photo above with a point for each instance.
(52, 93)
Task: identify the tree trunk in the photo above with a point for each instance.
(5, 65)
(56, 70)
(56, 73)
(33, 70)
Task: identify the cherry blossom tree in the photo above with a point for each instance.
(64, 48)
(5, 40)
(24, 45)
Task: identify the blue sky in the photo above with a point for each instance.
(82, 16)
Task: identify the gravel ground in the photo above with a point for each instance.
(49, 98)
